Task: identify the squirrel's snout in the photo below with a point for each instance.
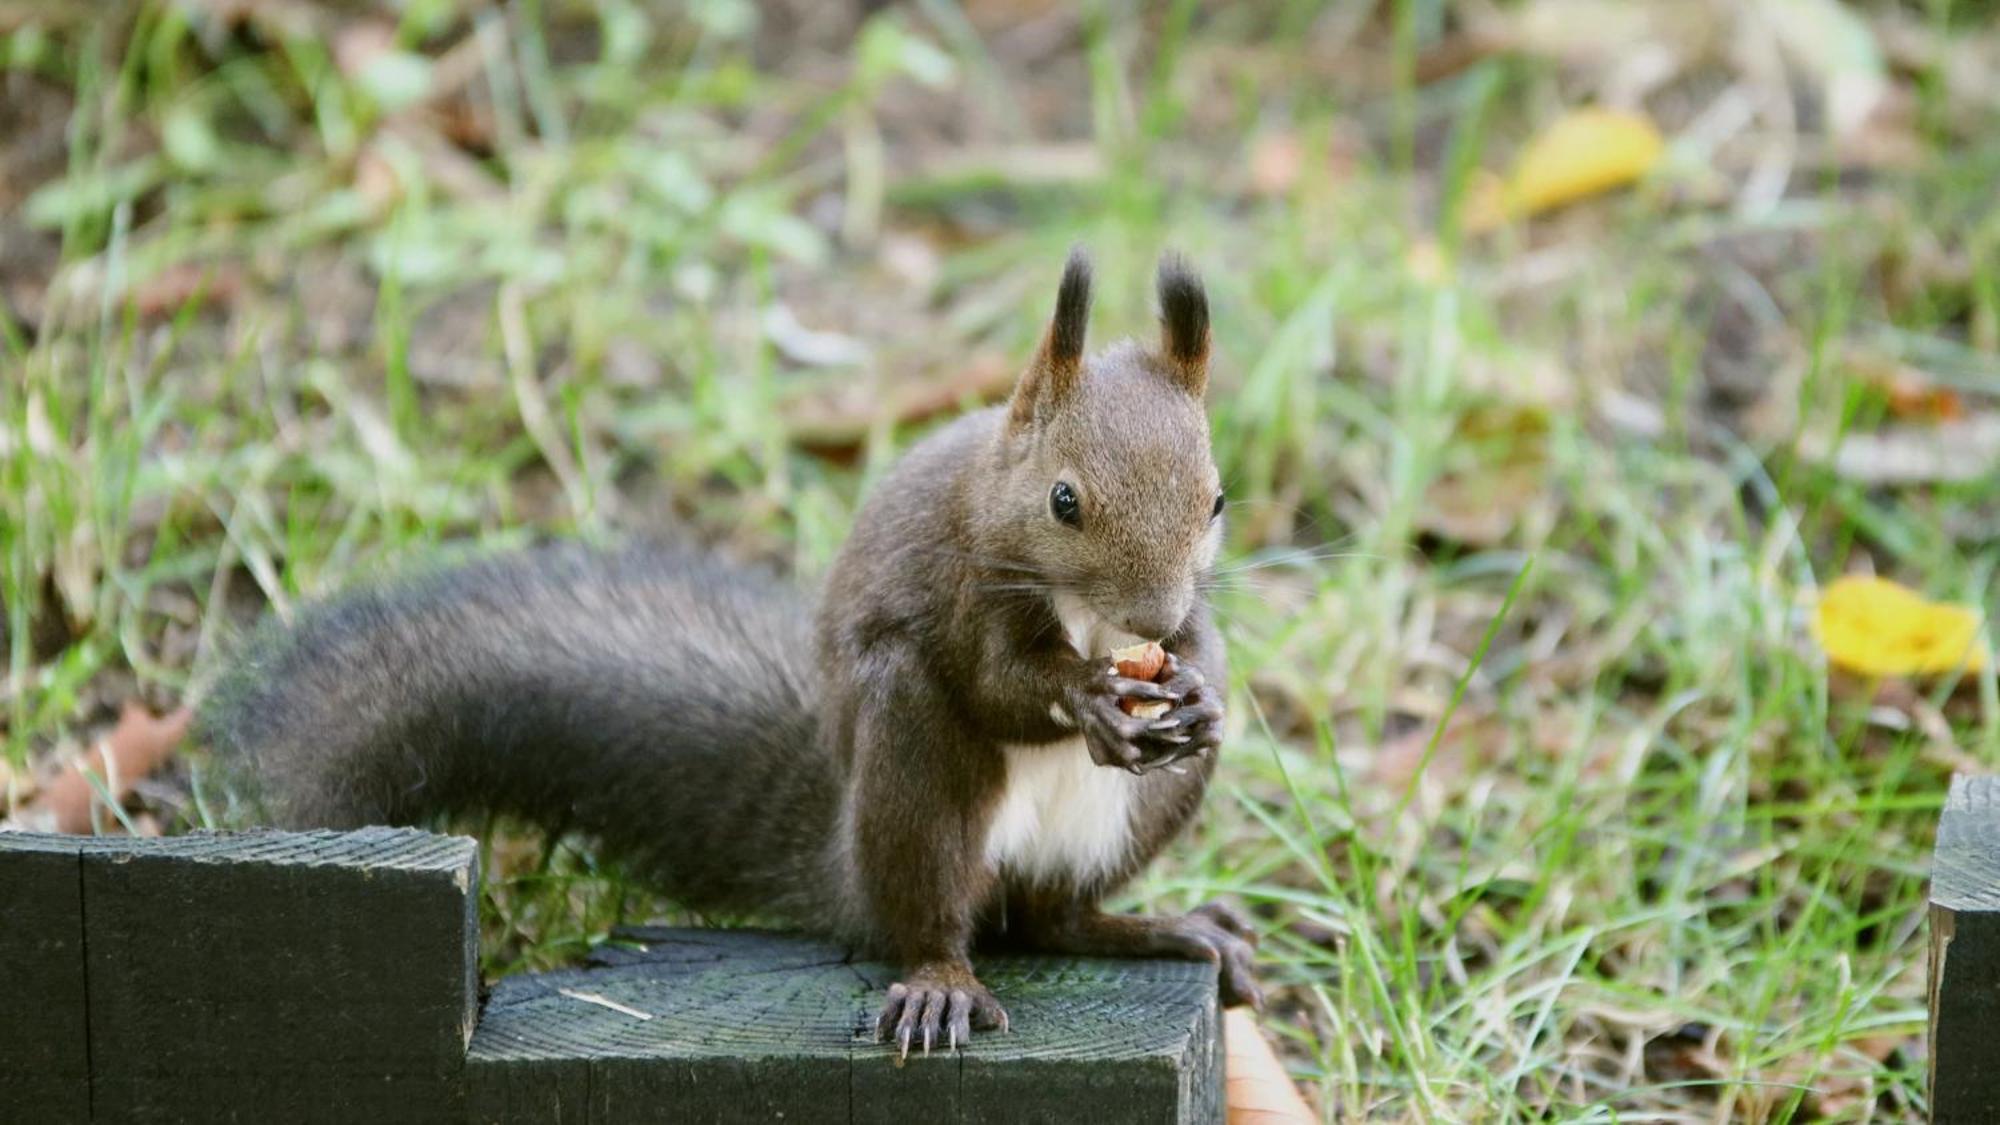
(1157, 617)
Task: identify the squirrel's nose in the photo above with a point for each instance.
(1156, 620)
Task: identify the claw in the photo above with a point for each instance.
(933, 1009)
(890, 1010)
(958, 1019)
(906, 1027)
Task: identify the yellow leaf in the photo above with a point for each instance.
(1586, 152)
(1878, 628)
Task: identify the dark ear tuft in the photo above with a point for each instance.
(1066, 331)
(1058, 366)
(1184, 322)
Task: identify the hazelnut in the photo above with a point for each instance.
(1141, 662)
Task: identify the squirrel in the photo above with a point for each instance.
(934, 755)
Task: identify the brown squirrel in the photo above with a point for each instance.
(945, 761)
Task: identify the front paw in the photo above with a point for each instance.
(1220, 934)
(1192, 728)
(937, 1005)
(1114, 737)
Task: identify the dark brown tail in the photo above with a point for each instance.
(658, 700)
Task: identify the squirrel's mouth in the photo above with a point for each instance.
(1091, 632)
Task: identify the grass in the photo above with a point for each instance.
(1549, 805)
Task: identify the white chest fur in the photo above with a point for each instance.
(1061, 817)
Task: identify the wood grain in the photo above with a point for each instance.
(748, 1025)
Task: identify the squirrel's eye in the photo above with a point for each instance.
(1217, 511)
(1062, 504)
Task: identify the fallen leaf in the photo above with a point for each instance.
(1257, 1089)
(833, 419)
(1276, 159)
(1480, 509)
(1584, 153)
(167, 292)
(1877, 627)
(1469, 741)
(359, 44)
(134, 748)
(1913, 399)
(1500, 469)
(1853, 1091)
(808, 346)
(1909, 393)
(1965, 449)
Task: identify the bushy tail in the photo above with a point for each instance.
(656, 699)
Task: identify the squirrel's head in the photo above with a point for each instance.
(1106, 482)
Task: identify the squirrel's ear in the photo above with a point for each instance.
(1184, 324)
(1058, 364)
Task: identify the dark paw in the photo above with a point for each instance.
(1191, 726)
(937, 1009)
(1194, 726)
(1219, 933)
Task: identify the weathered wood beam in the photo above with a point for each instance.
(1965, 955)
(320, 976)
(707, 1025)
(324, 976)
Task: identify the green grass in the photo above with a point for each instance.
(1550, 813)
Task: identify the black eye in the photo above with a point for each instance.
(1062, 504)
(1218, 507)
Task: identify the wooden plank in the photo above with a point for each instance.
(1100, 1040)
(44, 1039)
(304, 977)
(1965, 953)
(327, 976)
(749, 1025)
(712, 1026)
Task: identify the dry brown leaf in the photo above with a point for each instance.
(1275, 162)
(834, 420)
(166, 292)
(1481, 503)
(1927, 402)
(1838, 1095)
(1480, 509)
(360, 43)
(1909, 393)
(1467, 740)
(134, 749)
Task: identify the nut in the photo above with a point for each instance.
(1144, 661)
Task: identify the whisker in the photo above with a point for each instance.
(1292, 558)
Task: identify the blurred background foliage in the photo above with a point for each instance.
(1565, 349)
